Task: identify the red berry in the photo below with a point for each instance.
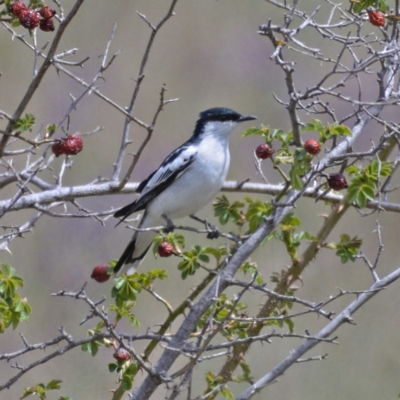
(29, 18)
(57, 148)
(47, 12)
(16, 8)
(100, 274)
(73, 144)
(376, 18)
(313, 147)
(337, 182)
(264, 151)
(46, 25)
(122, 354)
(165, 249)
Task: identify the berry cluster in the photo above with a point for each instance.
(30, 18)
(70, 145)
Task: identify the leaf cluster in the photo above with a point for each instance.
(361, 5)
(13, 309)
(127, 371)
(364, 183)
(25, 124)
(41, 390)
(193, 259)
(347, 248)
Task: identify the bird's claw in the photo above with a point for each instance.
(213, 231)
(169, 227)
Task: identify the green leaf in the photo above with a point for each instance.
(13, 309)
(348, 248)
(24, 124)
(217, 253)
(126, 382)
(92, 348)
(263, 131)
(54, 384)
(360, 192)
(123, 312)
(190, 263)
(226, 211)
(226, 393)
(126, 287)
(112, 367)
(256, 213)
(132, 369)
(252, 269)
(50, 130)
(295, 179)
(290, 324)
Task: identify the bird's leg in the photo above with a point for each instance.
(169, 224)
(213, 232)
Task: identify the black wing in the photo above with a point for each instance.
(173, 166)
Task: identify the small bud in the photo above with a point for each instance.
(57, 148)
(337, 182)
(264, 151)
(311, 146)
(122, 354)
(29, 18)
(376, 18)
(100, 274)
(47, 12)
(16, 8)
(165, 249)
(46, 25)
(73, 144)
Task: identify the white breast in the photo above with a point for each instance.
(197, 186)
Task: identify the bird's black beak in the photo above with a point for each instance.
(246, 118)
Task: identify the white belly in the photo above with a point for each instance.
(197, 186)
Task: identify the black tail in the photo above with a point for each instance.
(126, 257)
(124, 212)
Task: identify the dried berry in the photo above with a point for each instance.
(29, 18)
(73, 144)
(122, 354)
(165, 249)
(57, 148)
(337, 182)
(47, 12)
(312, 146)
(100, 274)
(376, 18)
(46, 25)
(264, 151)
(16, 8)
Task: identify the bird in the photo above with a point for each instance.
(184, 183)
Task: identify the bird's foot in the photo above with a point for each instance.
(213, 231)
(169, 227)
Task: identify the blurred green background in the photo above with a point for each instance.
(209, 54)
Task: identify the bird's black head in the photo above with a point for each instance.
(220, 114)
